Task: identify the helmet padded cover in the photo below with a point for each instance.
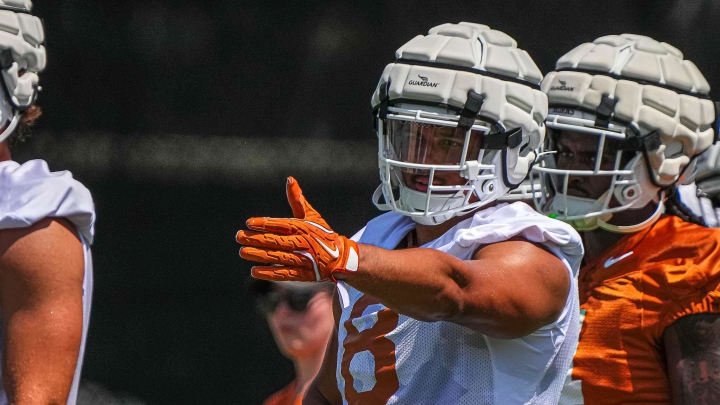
(637, 57)
(683, 120)
(23, 5)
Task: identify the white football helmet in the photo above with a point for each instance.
(459, 118)
(646, 114)
(22, 57)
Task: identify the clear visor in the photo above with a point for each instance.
(430, 144)
(427, 151)
(585, 152)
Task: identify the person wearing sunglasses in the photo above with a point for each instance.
(452, 297)
(300, 319)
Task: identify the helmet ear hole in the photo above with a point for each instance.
(630, 193)
(488, 186)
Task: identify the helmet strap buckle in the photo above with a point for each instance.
(605, 110)
(473, 104)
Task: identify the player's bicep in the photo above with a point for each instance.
(522, 286)
(41, 288)
(692, 352)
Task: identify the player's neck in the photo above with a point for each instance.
(306, 369)
(427, 233)
(598, 242)
(4, 152)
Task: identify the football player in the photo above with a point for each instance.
(628, 118)
(46, 227)
(451, 298)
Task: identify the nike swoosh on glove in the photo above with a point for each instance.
(303, 248)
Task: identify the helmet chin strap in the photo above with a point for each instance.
(10, 128)
(601, 221)
(416, 200)
(579, 206)
(376, 199)
(659, 209)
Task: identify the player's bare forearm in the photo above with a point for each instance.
(425, 284)
(41, 276)
(508, 290)
(692, 347)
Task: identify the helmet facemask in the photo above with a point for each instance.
(433, 168)
(586, 173)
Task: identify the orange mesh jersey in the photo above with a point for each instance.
(286, 396)
(628, 297)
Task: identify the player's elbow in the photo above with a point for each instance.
(449, 305)
(505, 316)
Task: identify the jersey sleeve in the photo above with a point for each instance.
(31, 192)
(358, 235)
(519, 220)
(695, 294)
(690, 284)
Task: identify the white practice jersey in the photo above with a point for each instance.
(31, 192)
(385, 357)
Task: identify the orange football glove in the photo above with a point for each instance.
(303, 248)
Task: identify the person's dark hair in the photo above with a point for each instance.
(28, 119)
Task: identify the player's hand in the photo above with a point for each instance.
(303, 248)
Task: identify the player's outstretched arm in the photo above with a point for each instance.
(692, 348)
(41, 288)
(507, 290)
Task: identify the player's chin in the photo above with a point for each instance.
(296, 347)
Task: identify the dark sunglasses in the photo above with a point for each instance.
(296, 299)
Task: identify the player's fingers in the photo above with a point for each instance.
(271, 241)
(282, 226)
(300, 206)
(282, 273)
(295, 197)
(275, 257)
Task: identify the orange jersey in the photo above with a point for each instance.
(286, 396)
(628, 297)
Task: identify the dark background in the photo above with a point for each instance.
(183, 118)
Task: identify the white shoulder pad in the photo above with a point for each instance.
(31, 192)
(505, 221)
